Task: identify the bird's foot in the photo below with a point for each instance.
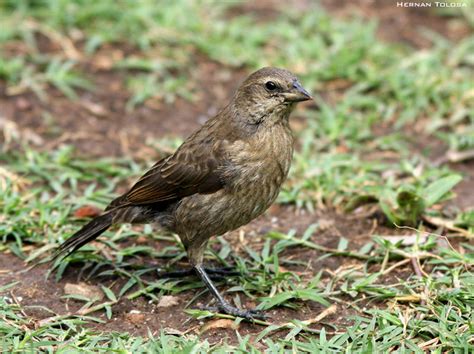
(224, 271)
(215, 273)
(228, 309)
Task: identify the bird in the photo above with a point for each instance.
(221, 177)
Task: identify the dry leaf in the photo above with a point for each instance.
(135, 317)
(87, 211)
(331, 310)
(408, 298)
(12, 132)
(12, 180)
(219, 324)
(95, 108)
(326, 224)
(168, 301)
(449, 224)
(103, 62)
(83, 289)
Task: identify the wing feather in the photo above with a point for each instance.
(186, 172)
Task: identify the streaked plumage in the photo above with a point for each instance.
(224, 175)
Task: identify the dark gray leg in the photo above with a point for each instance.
(223, 305)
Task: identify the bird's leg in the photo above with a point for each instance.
(223, 305)
(195, 248)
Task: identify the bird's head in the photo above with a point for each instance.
(268, 96)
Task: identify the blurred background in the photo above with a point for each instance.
(107, 75)
(93, 92)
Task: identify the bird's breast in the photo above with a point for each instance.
(266, 156)
(261, 166)
(257, 169)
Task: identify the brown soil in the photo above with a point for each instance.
(464, 198)
(36, 292)
(98, 123)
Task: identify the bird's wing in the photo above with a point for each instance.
(188, 171)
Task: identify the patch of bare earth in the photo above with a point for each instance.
(36, 292)
(464, 198)
(99, 124)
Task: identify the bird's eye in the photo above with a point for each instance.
(271, 86)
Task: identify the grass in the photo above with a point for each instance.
(343, 162)
(443, 297)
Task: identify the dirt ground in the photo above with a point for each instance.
(129, 316)
(98, 124)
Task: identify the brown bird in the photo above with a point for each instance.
(224, 175)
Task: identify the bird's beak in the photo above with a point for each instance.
(297, 93)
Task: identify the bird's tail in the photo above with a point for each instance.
(87, 233)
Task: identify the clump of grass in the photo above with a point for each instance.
(57, 182)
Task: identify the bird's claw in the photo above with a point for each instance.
(227, 271)
(249, 315)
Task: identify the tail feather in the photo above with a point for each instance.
(87, 233)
